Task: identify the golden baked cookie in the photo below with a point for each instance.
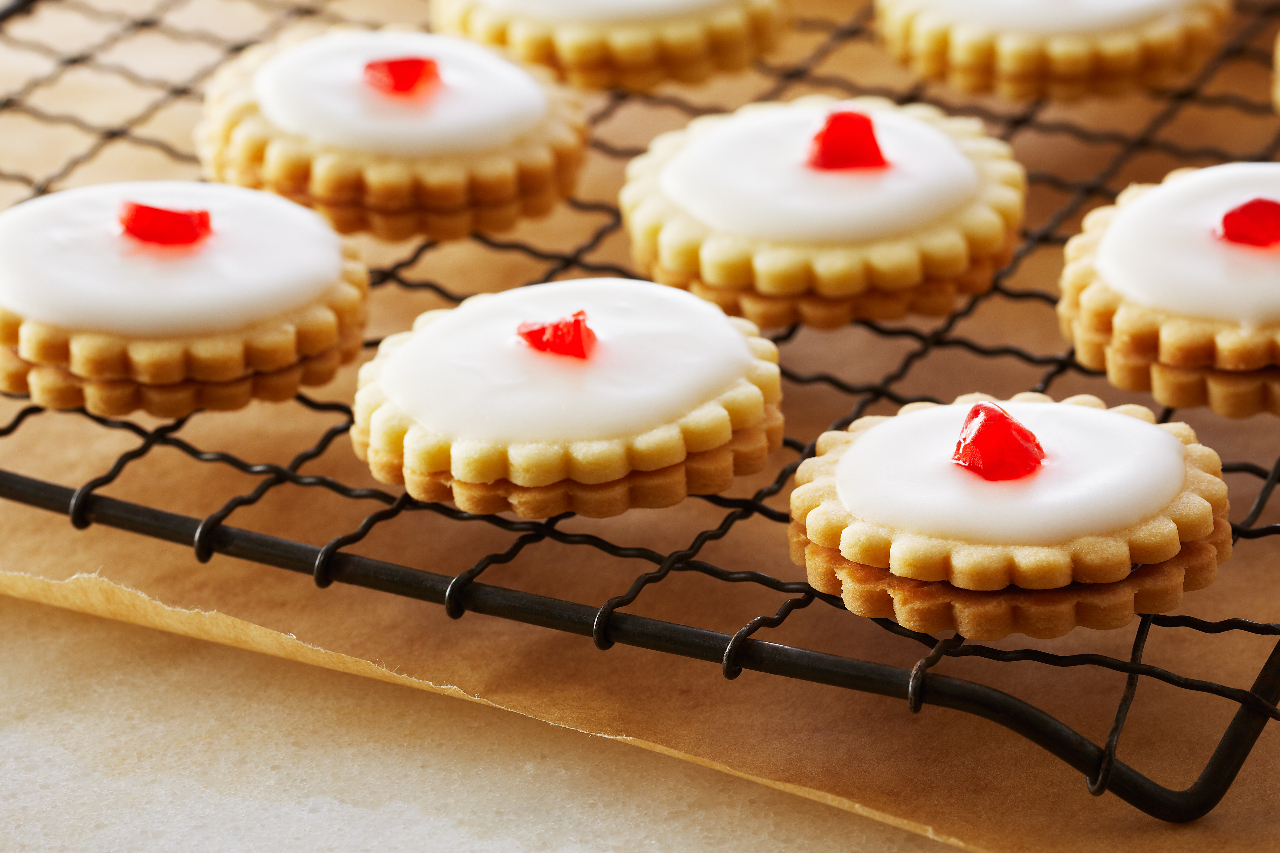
(594, 395)
(117, 291)
(1171, 289)
(929, 607)
(1014, 498)
(822, 211)
(629, 43)
(1035, 48)
(393, 132)
(58, 388)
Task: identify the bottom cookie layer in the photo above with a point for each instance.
(57, 388)
(935, 606)
(930, 298)
(704, 473)
(1231, 394)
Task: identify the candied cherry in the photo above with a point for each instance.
(847, 141)
(163, 226)
(1254, 223)
(405, 75)
(570, 336)
(995, 446)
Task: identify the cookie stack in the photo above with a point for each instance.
(1028, 517)
(170, 297)
(822, 211)
(1033, 48)
(591, 396)
(395, 133)
(1172, 289)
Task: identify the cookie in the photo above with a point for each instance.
(392, 132)
(58, 388)
(1169, 290)
(629, 43)
(1071, 497)
(1036, 48)
(169, 283)
(822, 211)
(594, 395)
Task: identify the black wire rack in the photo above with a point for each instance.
(1063, 199)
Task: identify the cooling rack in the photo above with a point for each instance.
(1061, 200)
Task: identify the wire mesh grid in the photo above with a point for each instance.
(96, 37)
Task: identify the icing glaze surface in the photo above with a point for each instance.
(1047, 17)
(1163, 250)
(659, 354)
(317, 89)
(1102, 472)
(600, 11)
(749, 175)
(65, 260)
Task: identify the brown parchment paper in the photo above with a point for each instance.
(943, 774)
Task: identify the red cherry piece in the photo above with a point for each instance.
(846, 141)
(164, 227)
(1254, 223)
(406, 75)
(995, 446)
(571, 336)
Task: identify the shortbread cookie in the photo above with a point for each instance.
(593, 395)
(58, 388)
(822, 211)
(630, 43)
(398, 133)
(1033, 48)
(1038, 496)
(1172, 289)
(930, 607)
(165, 283)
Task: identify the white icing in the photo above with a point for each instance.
(1102, 472)
(659, 354)
(1163, 250)
(600, 11)
(749, 175)
(1048, 17)
(317, 89)
(65, 260)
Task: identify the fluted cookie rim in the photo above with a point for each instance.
(382, 426)
(273, 343)
(1067, 66)
(705, 472)
(987, 616)
(1097, 319)
(443, 196)
(675, 248)
(626, 53)
(1104, 557)
(55, 387)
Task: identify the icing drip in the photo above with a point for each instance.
(1102, 472)
(749, 175)
(659, 354)
(65, 260)
(317, 89)
(1048, 17)
(1163, 250)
